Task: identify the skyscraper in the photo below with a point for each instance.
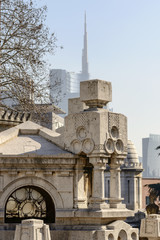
(151, 160)
(84, 75)
(64, 84)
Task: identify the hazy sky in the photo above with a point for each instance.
(123, 47)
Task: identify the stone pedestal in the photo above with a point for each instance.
(150, 227)
(32, 229)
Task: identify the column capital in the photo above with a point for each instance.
(116, 161)
(98, 161)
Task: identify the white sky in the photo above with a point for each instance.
(123, 47)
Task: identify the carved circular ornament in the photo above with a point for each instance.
(81, 133)
(76, 146)
(114, 132)
(88, 146)
(119, 146)
(109, 146)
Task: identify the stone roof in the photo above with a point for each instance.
(31, 138)
(132, 155)
(132, 160)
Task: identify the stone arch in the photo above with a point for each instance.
(134, 236)
(110, 236)
(31, 181)
(122, 235)
(29, 202)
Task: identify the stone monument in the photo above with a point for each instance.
(150, 227)
(58, 176)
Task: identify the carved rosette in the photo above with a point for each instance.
(76, 146)
(113, 143)
(87, 145)
(82, 143)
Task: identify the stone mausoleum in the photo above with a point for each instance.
(58, 176)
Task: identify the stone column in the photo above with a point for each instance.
(115, 199)
(140, 191)
(97, 200)
(79, 192)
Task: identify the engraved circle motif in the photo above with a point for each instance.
(88, 145)
(119, 146)
(109, 146)
(76, 146)
(81, 133)
(114, 132)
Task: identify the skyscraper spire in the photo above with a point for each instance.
(85, 74)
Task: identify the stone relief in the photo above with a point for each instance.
(76, 146)
(87, 145)
(117, 131)
(81, 133)
(81, 120)
(113, 143)
(109, 146)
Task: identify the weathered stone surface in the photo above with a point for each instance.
(95, 93)
(150, 227)
(32, 229)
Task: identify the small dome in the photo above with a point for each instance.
(132, 156)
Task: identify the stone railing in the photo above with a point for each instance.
(132, 165)
(12, 116)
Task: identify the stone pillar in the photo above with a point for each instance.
(97, 200)
(115, 199)
(79, 192)
(32, 229)
(140, 191)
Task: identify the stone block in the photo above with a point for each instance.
(32, 229)
(150, 227)
(95, 93)
(75, 105)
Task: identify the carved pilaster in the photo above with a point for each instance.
(97, 199)
(115, 199)
(79, 193)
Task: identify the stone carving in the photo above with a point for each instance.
(81, 120)
(81, 133)
(14, 116)
(99, 147)
(114, 132)
(76, 146)
(117, 129)
(113, 144)
(109, 146)
(88, 145)
(119, 146)
(113, 120)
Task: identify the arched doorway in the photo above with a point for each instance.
(122, 235)
(29, 202)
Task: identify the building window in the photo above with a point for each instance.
(29, 202)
